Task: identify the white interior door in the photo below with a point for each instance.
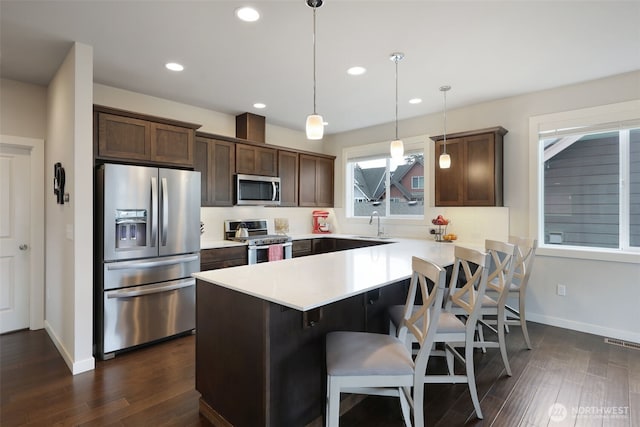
(14, 238)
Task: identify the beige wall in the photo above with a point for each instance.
(68, 227)
(211, 121)
(23, 109)
(601, 295)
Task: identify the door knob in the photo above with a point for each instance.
(23, 247)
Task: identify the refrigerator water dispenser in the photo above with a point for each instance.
(131, 228)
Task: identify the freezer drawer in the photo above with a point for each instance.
(123, 274)
(142, 314)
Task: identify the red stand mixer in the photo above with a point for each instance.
(320, 223)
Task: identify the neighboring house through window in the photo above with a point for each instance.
(589, 183)
(370, 178)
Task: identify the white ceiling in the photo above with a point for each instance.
(484, 49)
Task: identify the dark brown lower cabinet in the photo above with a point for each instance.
(213, 259)
(261, 364)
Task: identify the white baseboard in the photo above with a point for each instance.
(75, 367)
(585, 327)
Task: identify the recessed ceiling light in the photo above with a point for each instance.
(247, 14)
(174, 66)
(415, 101)
(259, 105)
(356, 71)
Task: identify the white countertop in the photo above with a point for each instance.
(313, 281)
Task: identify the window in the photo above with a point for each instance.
(590, 186)
(417, 182)
(378, 183)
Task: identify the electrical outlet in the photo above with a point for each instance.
(561, 290)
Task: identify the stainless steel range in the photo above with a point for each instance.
(261, 246)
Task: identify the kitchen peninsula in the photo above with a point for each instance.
(261, 328)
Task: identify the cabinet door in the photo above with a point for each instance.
(316, 181)
(479, 171)
(202, 164)
(288, 173)
(448, 182)
(213, 259)
(266, 161)
(223, 159)
(215, 160)
(172, 144)
(256, 160)
(324, 182)
(123, 137)
(307, 181)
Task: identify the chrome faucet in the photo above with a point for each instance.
(371, 220)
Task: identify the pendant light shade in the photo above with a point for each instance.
(397, 147)
(445, 159)
(315, 124)
(315, 127)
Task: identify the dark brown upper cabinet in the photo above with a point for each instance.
(254, 160)
(215, 159)
(288, 173)
(316, 181)
(136, 138)
(475, 175)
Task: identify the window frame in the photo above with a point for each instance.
(623, 113)
(381, 149)
(413, 187)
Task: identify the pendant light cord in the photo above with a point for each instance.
(314, 60)
(444, 90)
(396, 61)
(445, 121)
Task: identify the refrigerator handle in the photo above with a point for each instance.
(133, 292)
(165, 213)
(154, 211)
(128, 265)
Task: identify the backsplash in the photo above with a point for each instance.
(300, 219)
(470, 224)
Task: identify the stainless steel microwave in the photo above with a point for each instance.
(257, 190)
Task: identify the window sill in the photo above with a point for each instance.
(590, 254)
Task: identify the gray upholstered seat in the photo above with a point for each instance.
(363, 353)
(446, 323)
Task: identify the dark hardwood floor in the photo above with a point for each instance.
(598, 384)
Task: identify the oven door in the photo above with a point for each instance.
(259, 254)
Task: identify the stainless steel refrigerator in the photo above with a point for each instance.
(148, 247)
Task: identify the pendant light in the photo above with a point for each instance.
(445, 159)
(315, 124)
(397, 147)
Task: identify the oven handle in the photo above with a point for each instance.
(267, 246)
(151, 290)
